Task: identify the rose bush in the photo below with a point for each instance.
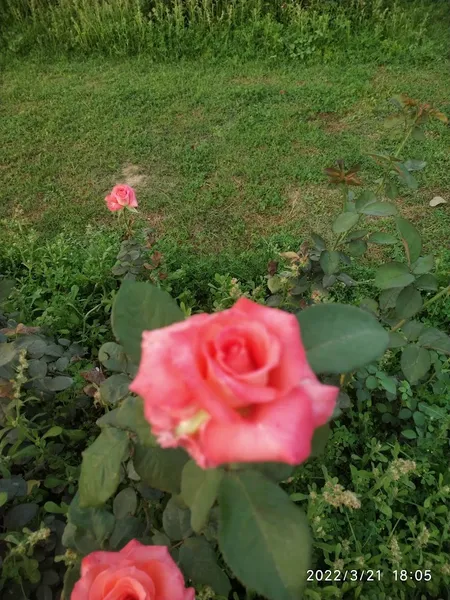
(137, 571)
(238, 388)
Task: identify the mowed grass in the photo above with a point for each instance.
(221, 156)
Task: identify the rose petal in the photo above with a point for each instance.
(281, 431)
(112, 204)
(109, 584)
(323, 399)
(293, 365)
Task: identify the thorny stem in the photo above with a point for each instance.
(425, 304)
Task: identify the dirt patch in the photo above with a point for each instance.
(304, 150)
(330, 121)
(156, 221)
(133, 176)
(239, 182)
(311, 207)
(379, 254)
(412, 210)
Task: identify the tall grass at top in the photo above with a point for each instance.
(171, 29)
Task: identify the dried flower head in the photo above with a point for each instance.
(423, 537)
(338, 564)
(338, 175)
(401, 467)
(394, 548)
(335, 495)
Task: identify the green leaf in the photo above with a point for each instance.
(15, 487)
(412, 330)
(100, 468)
(405, 414)
(379, 237)
(370, 305)
(415, 362)
(409, 302)
(388, 383)
(199, 489)
(423, 264)
(406, 176)
(329, 261)
(357, 234)
(396, 340)
(130, 417)
(435, 339)
(53, 508)
(6, 287)
(419, 419)
(125, 530)
(58, 383)
(391, 190)
(345, 221)
(20, 515)
(371, 382)
(113, 357)
(411, 239)
(365, 199)
(160, 539)
(319, 441)
(37, 368)
(388, 298)
(357, 248)
(426, 282)
(160, 468)
(98, 521)
(380, 209)
(7, 353)
(418, 134)
(340, 338)
(319, 242)
(139, 307)
(415, 165)
(434, 412)
(176, 520)
(125, 503)
(198, 562)
(115, 388)
(274, 284)
(409, 434)
(393, 275)
(53, 432)
(272, 470)
(263, 536)
(4, 499)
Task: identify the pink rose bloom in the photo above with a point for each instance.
(137, 571)
(234, 386)
(122, 195)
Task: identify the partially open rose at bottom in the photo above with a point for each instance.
(137, 572)
(233, 386)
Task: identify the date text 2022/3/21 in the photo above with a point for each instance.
(367, 575)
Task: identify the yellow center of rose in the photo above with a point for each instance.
(192, 425)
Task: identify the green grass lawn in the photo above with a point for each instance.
(219, 155)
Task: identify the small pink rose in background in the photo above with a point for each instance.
(120, 197)
(234, 386)
(137, 571)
